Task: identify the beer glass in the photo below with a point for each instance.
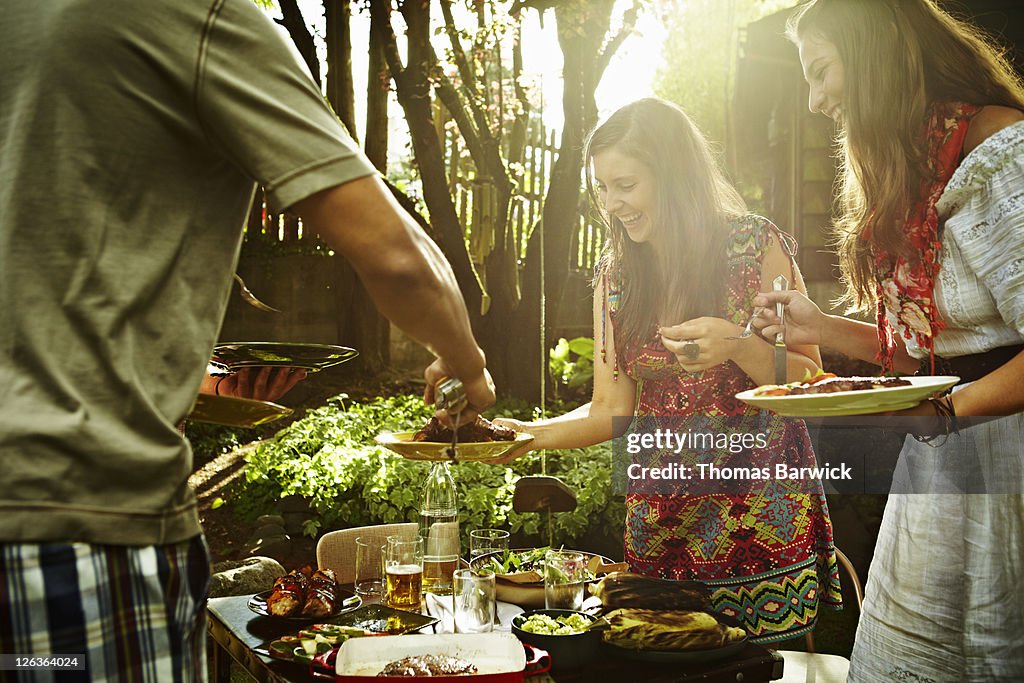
(403, 573)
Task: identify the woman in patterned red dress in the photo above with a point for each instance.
(683, 262)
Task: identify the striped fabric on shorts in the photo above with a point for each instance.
(137, 613)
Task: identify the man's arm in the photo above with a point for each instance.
(407, 276)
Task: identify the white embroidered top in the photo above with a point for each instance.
(980, 289)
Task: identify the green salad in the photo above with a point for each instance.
(555, 626)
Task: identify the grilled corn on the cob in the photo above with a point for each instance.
(668, 630)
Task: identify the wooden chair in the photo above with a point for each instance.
(800, 667)
(337, 549)
(858, 590)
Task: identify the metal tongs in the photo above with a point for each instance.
(450, 395)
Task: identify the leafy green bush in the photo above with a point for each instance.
(571, 364)
(330, 459)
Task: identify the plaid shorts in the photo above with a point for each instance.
(136, 613)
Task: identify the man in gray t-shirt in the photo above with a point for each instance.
(132, 136)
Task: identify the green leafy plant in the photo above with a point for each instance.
(330, 458)
(571, 364)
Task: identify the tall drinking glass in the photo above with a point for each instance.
(474, 602)
(484, 541)
(369, 576)
(403, 573)
(564, 578)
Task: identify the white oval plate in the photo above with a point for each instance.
(864, 402)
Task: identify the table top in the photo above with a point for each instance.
(238, 630)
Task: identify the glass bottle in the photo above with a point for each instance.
(439, 528)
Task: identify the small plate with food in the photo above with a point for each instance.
(826, 395)
(302, 647)
(478, 441)
(304, 595)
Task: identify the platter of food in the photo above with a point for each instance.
(478, 441)
(489, 657)
(235, 412)
(312, 357)
(826, 395)
(304, 595)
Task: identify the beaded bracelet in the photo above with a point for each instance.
(944, 410)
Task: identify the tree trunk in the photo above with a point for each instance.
(358, 318)
(340, 90)
(291, 19)
(413, 89)
(378, 81)
(582, 29)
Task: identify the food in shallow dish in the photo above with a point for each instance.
(419, 666)
(481, 430)
(828, 383)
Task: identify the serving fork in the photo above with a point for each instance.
(747, 329)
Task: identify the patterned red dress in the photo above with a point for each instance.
(764, 548)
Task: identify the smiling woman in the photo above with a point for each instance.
(681, 266)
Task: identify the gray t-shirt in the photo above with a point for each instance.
(132, 135)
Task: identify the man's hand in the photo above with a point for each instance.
(479, 392)
(261, 384)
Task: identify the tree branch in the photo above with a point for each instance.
(465, 69)
(610, 48)
(291, 19)
(380, 15)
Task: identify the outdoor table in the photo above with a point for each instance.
(235, 630)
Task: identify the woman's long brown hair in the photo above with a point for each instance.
(898, 57)
(684, 277)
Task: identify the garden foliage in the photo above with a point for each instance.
(330, 458)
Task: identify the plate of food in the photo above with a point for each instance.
(826, 395)
(312, 357)
(235, 412)
(478, 441)
(304, 595)
(519, 573)
(302, 647)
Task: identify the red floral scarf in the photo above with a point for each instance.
(906, 288)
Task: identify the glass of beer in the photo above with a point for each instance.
(403, 573)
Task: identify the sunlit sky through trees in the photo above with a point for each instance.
(630, 75)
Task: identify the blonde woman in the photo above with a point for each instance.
(932, 236)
